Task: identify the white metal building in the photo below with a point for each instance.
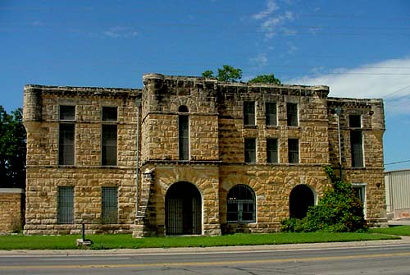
(398, 194)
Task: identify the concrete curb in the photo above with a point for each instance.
(198, 250)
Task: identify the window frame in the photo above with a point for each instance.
(252, 151)
(67, 218)
(355, 118)
(293, 151)
(295, 121)
(363, 188)
(183, 137)
(355, 146)
(62, 144)
(249, 118)
(268, 150)
(268, 121)
(105, 113)
(107, 212)
(104, 145)
(240, 203)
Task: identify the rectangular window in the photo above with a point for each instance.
(250, 150)
(249, 113)
(66, 144)
(109, 113)
(292, 114)
(67, 112)
(65, 205)
(272, 150)
(109, 145)
(356, 146)
(271, 114)
(359, 190)
(355, 121)
(183, 137)
(109, 205)
(293, 150)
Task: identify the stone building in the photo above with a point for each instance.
(189, 155)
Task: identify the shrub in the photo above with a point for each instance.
(339, 210)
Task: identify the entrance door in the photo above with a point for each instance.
(301, 197)
(183, 209)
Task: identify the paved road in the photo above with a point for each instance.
(377, 258)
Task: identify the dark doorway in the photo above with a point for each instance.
(183, 209)
(301, 197)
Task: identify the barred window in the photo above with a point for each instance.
(271, 114)
(109, 145)
(249, 113)
(355, 121)
(293, 150)
(183, 124)
(241, 204)
(109, 204)
(272, 150)
(250, 150)
(356, 144)
(109, 113)
(65, 205)
(292, 114)
(66, 144)
(67, 112)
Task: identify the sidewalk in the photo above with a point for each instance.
(198, 250)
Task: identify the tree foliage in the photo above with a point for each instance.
(339, 210)
(12, 149)
(265, 78)
(227, 74)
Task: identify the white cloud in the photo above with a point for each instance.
(120, 32)
(389, 80)
(260, 60)
(272, 21)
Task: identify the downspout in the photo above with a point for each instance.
(137, 171)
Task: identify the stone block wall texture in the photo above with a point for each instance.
(148, 152)
(11, 210)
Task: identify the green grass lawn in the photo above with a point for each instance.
(9, 242)
(402, 230)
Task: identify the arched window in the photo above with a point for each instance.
(241, 204)
(183, 125)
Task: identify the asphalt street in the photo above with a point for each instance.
(390, 257)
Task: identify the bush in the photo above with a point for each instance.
(339, 210)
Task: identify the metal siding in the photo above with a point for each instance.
(397, 190)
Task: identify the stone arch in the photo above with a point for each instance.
(300, 199)
(183, 100)
(183, 209)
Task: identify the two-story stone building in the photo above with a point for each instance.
(189, 155)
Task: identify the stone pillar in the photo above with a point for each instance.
(145, 219)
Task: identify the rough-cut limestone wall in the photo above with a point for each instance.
(204, 177)
(311, 131)
(87, 176)
(41, 199)
(11, 216)
(272, 185)
(371, 111)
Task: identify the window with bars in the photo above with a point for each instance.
(109, 145)
(109, 113)
(249, 113)
(241, 204)
(355, 121)
(272, 150)
(66, 135)
(271, 114)
(65, 205)
(293, 150)
(109, 205)
(292, 114)
(356, 145)
(183, 125)
(250, 150)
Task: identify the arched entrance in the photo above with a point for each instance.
(301, 197)
(183, 209)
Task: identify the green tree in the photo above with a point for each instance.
(265, 78)
(339, 210)
(12, 149)
(227, 74)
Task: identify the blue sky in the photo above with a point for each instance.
(358, 48)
